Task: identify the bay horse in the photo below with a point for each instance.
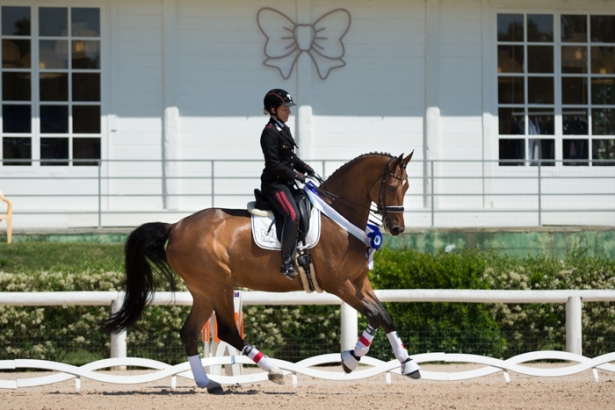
(213, 252)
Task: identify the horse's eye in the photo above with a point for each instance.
(392, 188)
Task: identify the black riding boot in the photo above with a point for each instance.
(289, 243)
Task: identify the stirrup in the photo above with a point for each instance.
(288, 269)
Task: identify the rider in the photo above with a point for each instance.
(282, 168)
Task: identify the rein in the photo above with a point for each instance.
(383, 209)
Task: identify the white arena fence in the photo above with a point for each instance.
(305, 367)
(573, 299)
(443, 193)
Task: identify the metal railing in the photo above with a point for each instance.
(443, 193)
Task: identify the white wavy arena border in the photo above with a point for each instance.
(305, 367)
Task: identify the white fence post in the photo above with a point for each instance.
(350, 327)
(574, 325)
(118, 340)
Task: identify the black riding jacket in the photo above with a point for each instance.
(281, 163)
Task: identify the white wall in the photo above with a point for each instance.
(461, 79)
(214, 74)
(376, 102)
(137, 79)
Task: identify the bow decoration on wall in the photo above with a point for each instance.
(286, 40)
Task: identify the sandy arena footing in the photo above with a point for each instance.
(578, 391)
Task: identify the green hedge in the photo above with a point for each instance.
(69, 334)
(499, 330)
(437, 327)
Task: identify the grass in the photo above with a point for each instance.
(61, 257)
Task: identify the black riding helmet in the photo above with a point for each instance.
(277, 98)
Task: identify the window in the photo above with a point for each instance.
(51, 85)
(556, 89)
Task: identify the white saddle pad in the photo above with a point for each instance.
(268, 239)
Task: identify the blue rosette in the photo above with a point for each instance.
(374, 235)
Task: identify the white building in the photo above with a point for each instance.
(182, 81)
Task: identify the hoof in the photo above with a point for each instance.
(415, 375)
(411, 369)
(276, 375)
(214, 388)
(349, 361)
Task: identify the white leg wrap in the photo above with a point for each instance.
(398, 347)
(408, 366)
(260, 359)
(362, 346)
(198, 372)
(349, 361)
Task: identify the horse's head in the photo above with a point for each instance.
(389, 193)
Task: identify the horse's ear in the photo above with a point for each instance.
(396, 162)
(408, 158)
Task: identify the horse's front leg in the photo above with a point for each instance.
(408, 366)
(352, 294)
(368, 304)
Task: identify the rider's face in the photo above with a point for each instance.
(283, 113)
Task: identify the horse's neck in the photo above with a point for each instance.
(352, 185)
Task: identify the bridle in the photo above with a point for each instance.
(381, 208)
(384, 209)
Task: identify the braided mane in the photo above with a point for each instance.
(346, 165)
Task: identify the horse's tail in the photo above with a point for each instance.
(145, 247)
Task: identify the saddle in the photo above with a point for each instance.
(263, 238)
(262, 207)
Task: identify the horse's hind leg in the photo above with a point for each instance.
(190, 332)
(227, 331)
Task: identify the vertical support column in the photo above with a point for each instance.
(99, 196)
(303, 130)
(170, 120)
(118, 340)
(113, 96)
(433, 199)
(539, 192)
(574, 325)
(213, 183)
(350, 327)
(489, 102)
(432, 90)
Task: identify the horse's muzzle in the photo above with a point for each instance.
(394, 227)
